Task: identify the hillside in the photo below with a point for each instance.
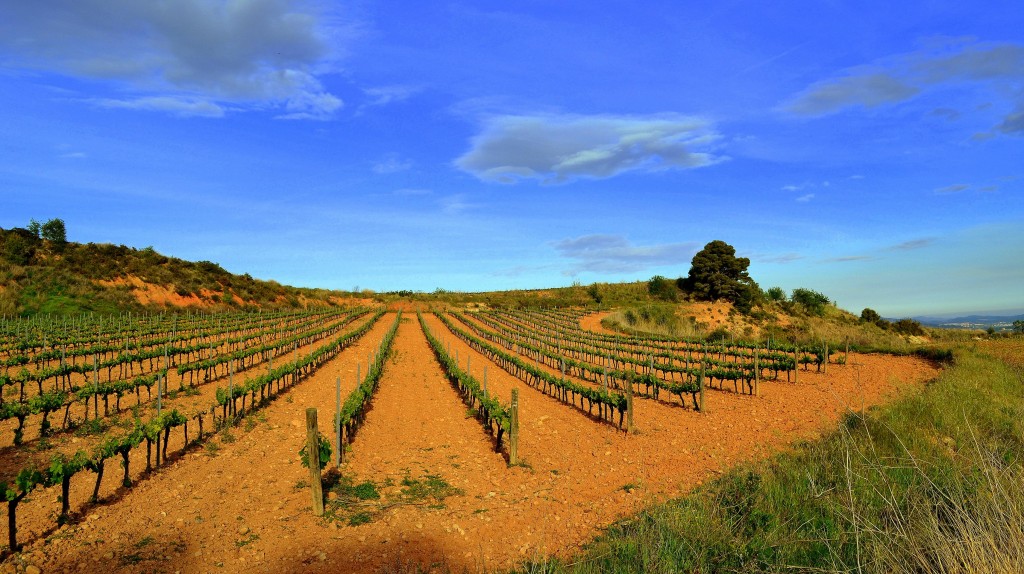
(42, 276)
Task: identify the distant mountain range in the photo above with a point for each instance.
(998, 322)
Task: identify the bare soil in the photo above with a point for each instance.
(245, 507)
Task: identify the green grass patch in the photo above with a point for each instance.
(354, 503)
(930, 483)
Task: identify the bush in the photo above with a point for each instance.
(811, 300)
(775, 294)
(908, 327)
(869, 315)
(663, 288)
(17, 250)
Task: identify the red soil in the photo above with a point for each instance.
(240, 510)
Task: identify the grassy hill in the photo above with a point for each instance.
(43, 276)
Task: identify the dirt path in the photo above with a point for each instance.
(240, 511)
(592, 322)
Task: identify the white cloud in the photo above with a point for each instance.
(615, 254)
(559, 148)
(253, 54)
(185, 107)
(904, 76)
(385, 95)
(805, 198)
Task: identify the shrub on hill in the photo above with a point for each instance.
(908, 327)
(663, 288)
(775, 294)
(812, 301)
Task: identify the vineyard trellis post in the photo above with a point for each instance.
(513, 431)
(796, 363)
(337, 421)
(700, 386)
(757, 373)
(95, 388)
(824, 364)
(629, 406)
(313, 454)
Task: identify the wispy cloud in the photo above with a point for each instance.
(385, 95)
(955, 188)
(184, 107)
(912, 244)
(615, 254)
(945, 113)
(73, 155)
(455, 204)
(559, 148)
(1013, 123)
(392, 163)
(805, 198)
(188, 57)
(864, 89)
(902, 77)
(784, 258)
(849, 259)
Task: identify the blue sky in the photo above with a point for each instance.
(871, 151)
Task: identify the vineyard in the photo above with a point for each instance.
(481, 438)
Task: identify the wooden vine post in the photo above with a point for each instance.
(513, 431)
(339, 457)
(629, 407)
(700, 386)
(824, 363)
(313, 454)
(757, 374)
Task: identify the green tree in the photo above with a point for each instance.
(54, 231)
(811, 300)
(34, 227)
(716, 273)
(775, 294)
(663, 288)
(1018, 327)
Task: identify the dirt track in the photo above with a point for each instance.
(239, 510)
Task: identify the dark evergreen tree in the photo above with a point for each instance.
(716, 273)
